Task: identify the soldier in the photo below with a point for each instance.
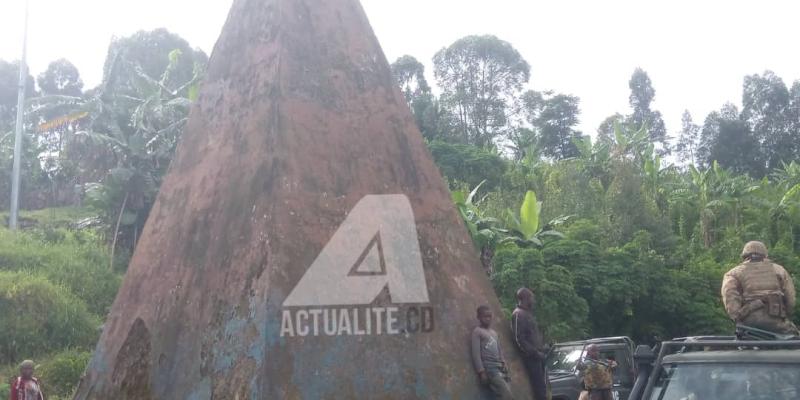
(598, 375)
(530, 343)
(759, 293)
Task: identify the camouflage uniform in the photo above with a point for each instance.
(598, 378)
(760, 294)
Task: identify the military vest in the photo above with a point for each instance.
(597, 375)
(759, 279)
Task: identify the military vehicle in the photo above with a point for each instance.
(566, 380)
(753, 365)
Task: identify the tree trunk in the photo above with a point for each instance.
(487, 256)
(705, 226)
(116, 231)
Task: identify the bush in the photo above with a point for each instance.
(61, 373)
(38, 317)
(561, 313)
(468, 164)
(67, 258)
(7, 375)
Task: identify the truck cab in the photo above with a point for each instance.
(749, 366)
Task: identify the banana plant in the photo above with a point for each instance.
(652, 173)
(486, 232)
(704, 195)
(787, 176)
(526, 230)
(787, 213)
(734, 191)
(594, 159)
(135, 121)
(627, 142)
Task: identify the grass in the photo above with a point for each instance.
(59, 217)
(67, 258)
(49, 250)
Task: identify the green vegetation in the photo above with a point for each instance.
(639, 249)
(68, 258)
(55, 290)
(56, 216)
(59, 373)
(38, 317)
(623, 234)
(636, 245)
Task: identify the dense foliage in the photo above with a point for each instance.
(61, 372)
(648, 226)
(55, 290)
(65, 257)
(38, 317)
(647, 245)
(626, 234)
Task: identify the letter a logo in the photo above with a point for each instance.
(375, 247)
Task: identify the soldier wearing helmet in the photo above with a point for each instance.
(598, 375)
(759, 293)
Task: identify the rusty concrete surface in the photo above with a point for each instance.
(298, 120)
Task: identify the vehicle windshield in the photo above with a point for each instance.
(564, 358)
(728, 382)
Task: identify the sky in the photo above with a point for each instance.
(696, 52)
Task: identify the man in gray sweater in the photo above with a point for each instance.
(487, 356)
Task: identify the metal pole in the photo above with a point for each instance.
(23, 74)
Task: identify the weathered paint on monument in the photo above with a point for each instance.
(299, 121)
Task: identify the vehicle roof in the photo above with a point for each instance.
(777, 356)
(603, 340)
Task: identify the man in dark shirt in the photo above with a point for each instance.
(487, 356)
(530, 342)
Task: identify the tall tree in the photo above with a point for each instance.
(554, 118)
(150, 51)
(726, 138)
(410, 76)
(479, 76)
(641, 97)
(688, 141)
(766, 102)
(793, 113)
(31, 173)
(131, 124)
(140, 131)
(9, 88)
(60, 78)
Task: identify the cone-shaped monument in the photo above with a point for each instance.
(303, 245)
